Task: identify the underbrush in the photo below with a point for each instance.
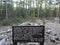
(10, 22)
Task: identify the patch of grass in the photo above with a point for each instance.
(5, 22)
(19, 20)
(10, 22)
(32, 19)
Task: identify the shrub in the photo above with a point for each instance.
(32, 19)
(10, 22)
(5, 22)
(19, 20)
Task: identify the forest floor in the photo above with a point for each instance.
(49, 25)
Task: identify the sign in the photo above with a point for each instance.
(28, 33)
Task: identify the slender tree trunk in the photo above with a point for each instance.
(26, 9)
(59, 11)
(29, 10)
(38, 8)
(50, 7)
(6, 10)
(33, 9)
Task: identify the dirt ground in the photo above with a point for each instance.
(49, 25)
